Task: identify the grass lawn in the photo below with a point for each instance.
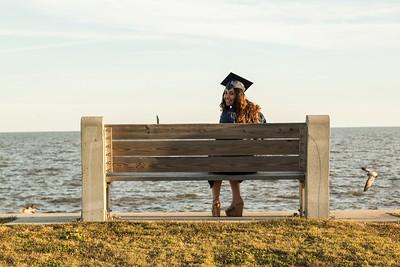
(291, 242)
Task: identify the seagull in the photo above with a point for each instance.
(371, 178)
(29, 209)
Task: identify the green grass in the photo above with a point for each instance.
(292, 242)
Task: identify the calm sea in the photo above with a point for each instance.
(45, 169)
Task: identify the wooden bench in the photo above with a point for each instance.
(184, 152)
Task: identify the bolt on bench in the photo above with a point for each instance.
(184, 152)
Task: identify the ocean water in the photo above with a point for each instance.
(45, 169)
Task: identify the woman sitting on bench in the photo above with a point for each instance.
(235, 109)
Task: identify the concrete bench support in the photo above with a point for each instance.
(93, 169)
(317, 172)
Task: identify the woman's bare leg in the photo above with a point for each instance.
(216, 206)
(235, 187)
(216, 189)
(236, 207)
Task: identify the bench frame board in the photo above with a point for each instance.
(97, 169)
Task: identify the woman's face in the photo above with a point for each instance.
(229, 96)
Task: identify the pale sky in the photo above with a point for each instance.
(130, 60)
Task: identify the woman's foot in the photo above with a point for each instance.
(216, 208)
(235, 209)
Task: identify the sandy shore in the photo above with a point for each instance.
(52, 218)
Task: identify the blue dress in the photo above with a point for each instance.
(229, 116)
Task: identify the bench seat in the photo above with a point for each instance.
(191, 176)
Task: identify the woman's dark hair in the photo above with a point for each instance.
(246, 111)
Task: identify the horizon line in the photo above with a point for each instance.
(77, 131)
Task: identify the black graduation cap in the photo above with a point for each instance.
(235, 81)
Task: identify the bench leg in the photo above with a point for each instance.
(108, 205)
(317, 171)
(302, 199)
(93, 169)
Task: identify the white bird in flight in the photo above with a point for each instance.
(371, 178)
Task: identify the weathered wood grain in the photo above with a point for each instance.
(206, 164)
(206, 131)
(202, 176)
(205, 147)
(108, 149)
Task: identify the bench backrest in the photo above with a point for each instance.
(205, 147)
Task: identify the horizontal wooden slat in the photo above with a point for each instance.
(202, 147)
(205, 131)
(205, 164)
(198, 176)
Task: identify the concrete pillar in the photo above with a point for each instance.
(317, 170)
(93, 169)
